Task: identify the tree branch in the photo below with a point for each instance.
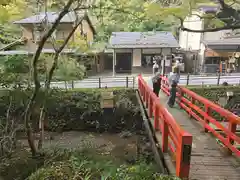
(49, 78)
(228, 15)
(211, 29)
(35, 75)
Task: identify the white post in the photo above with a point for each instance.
(114, 60)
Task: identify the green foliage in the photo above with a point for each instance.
(77, 110)
(213, 94)
(19, 165)
(125, 15)
(69, 69)
(89, 165)
(14, 70)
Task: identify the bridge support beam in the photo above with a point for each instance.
(184, 156)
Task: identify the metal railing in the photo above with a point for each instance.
(101, 82)
(189, 80)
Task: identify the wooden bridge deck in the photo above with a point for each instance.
(207, 161)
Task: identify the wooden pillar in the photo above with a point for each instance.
(114, 60)
(131, 61)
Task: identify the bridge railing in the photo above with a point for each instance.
(215, 119)
(173, 138)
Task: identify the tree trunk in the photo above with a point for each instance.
(41, 127)
(48, 82)
(37, 54)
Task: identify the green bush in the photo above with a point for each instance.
(77, 110)
(89, 165)
(19, 165)
(213, 94)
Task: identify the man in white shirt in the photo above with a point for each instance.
(173, 81)
(155, 67)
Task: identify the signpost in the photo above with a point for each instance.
(107, 104)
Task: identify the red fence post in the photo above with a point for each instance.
(156, 118)
(184, 156)
(208, 112)
(147, 98)
(181, 95)
(144, 94)
(165, 133)
(233, 128)
(150, 109)
(139, 84)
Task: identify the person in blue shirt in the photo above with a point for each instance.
(173, 81)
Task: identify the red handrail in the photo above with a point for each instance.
(174, 138)
(228, 137)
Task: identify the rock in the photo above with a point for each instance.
(131, 160)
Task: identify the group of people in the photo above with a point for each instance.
(173, 81)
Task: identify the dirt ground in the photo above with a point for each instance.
(121, 146)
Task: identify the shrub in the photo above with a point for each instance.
(78, 110)
(19, 165)
(89, 165)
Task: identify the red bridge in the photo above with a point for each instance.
(195, 144)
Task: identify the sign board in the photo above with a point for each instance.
(107, 99)
(167, 62)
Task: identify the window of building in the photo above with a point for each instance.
(212, 60)
(37, 35)
(61, 35)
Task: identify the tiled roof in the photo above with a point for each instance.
(152, 39)
(232, 41)
(51, 17)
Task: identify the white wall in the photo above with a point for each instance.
(137, 57)
(215, 35)
(191, 40)
(201, 55)
(137, 54)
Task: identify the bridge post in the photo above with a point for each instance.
(156, 118)
(184, 156)
(150, 109)
(208, 112)
(165, 133)
(147, 99)
(233, 128)
(144, 95)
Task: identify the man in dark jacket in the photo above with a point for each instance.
(157, 83)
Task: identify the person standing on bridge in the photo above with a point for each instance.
(156, 80)
(173, 81)
(155, 67)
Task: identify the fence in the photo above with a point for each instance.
(208, 80)
(207, 113)
(174, 138)
(101, 82)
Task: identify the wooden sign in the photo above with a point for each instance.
(107, 99)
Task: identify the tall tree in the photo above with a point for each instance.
(226, 17)
(125, 15)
